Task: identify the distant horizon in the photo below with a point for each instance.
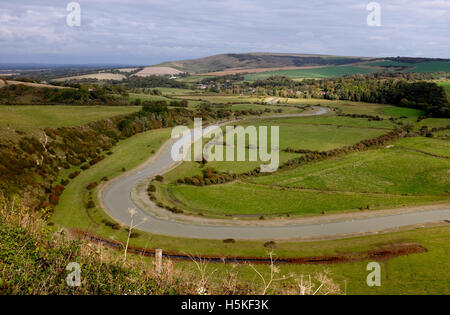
(153, 31)
(115, 65)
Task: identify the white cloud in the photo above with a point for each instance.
(147, 31)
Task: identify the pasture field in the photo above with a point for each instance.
(445, 85)
(428, 145)
(379, 179)
(325, 72)
(272, 201)
(347, 107)
(312, 133)
(421, 67)
(406, 173)
(176, 91)
(394, 171)
(285, 109)
(40, 116)
(147, 97)
(404, 111)
(192, 102)
(225, 98)
(431, 66)
(434, 123)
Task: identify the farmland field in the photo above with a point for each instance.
(445, 85)
(410, 172)
(421, 67)
(98, 76)
(326, 72)
(379, 179)
(37, 116)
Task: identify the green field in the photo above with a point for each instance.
(403, 111)
(379, 181)
(393, 171)
(431, 66)
(445, 85)
(405, 174)
(175, 91)
(41, 116)
(421, 67)
(312, 133)
(326, 72)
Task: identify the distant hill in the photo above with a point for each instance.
(258, 60)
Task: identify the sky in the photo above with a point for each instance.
(148, 32)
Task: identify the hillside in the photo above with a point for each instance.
(257, 60)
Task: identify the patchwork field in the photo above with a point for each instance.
(378, 179)
(421, 67)
(254, 70)
(96, 76)
(325, 72)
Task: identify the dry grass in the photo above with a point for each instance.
(12, 82)
(33, 260)
(254, 70)
(148, 71)
(97, 76)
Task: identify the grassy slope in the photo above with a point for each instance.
(422, 67)
(380, 178)
(36, 116)
(313, 133)
(422, 273)
(128, 154)
(326, 72)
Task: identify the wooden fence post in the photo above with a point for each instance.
(158, 260)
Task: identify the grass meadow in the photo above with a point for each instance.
(326, 72)
(54, 116)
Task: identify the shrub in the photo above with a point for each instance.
(159, 178)
(90, 204)
(54, 200)
(270, 244)
(91, 186)
(229, 241)
(74, 174)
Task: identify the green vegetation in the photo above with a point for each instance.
(416, 67)
(432, 66)
(129, 153)
(275, 201)
(445, 85)
(326, 72)
(404, 112)
(35, 116)
(22, 94)
(66, 169)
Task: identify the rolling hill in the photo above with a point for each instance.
(258, 60)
